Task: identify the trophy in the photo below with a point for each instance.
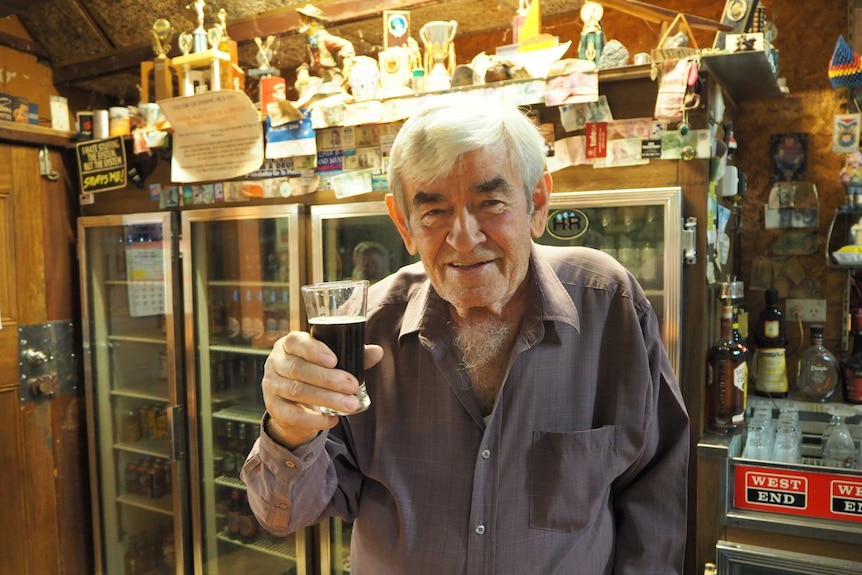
(161, 34)
(439, 53)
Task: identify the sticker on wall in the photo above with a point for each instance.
(845, 133)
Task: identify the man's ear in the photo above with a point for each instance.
(541, 204)
(399, 218)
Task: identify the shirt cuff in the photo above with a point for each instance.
(301, 455)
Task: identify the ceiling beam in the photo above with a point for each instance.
(23, 45)
(652, 13)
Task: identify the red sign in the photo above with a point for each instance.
(789, 491)
(597, 140)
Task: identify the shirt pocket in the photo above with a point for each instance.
(570, 477)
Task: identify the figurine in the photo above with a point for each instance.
(324, 48)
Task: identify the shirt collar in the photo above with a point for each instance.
(549, 300)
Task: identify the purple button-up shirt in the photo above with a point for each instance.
(580, 468)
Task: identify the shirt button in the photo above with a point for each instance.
(486, 453)
(480, 529)
(282, 505)
(289, 463)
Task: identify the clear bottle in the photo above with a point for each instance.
(817, 376)
(770, 373)
(725, 380)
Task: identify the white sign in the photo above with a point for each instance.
(217, 136)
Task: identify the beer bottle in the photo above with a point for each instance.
(247, 522)
(234, 318)
(234, 511)
(228, 453)
(241, 447)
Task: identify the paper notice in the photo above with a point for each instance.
(217, 136)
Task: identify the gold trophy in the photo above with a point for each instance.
(439, 53)
(161, 33)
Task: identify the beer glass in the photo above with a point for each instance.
(336, 316)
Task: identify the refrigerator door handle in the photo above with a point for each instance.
(689, 241)
(176, 416)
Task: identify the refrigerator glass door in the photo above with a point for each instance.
(642, 229)
(359, 241)
(134, 393)
(355, 241)
(241, 279)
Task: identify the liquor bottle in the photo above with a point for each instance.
(851, 372)
(725, 380)
(770, 374)
(733, 292)
(817, 375)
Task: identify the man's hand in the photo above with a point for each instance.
(299, 376)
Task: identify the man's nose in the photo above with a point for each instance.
(466, 231)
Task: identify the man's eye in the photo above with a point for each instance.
(430, 216)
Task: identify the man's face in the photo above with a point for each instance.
(472, 230)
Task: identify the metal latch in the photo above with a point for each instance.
(689, 241)
(47, 363)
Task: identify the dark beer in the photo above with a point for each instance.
(345, 336)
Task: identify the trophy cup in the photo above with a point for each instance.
(161, 34)
(439, 53)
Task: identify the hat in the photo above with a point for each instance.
(845, 68)
(312, 12)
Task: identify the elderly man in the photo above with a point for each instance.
(524, 415)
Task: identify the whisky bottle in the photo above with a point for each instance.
(725, 380)
(817, 375)
(770, 373)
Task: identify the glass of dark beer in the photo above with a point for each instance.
(336, 316)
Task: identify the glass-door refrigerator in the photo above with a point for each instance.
(643, 229)
(352, 240)
(242, 270)
(134, 393)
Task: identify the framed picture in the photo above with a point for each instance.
(788, 158)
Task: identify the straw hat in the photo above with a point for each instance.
(312, 12)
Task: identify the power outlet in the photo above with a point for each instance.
(809, 310)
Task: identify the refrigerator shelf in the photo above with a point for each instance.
(232, 482)
(160, 449)
(132, 392)
(262, 351)
(161, 505)
(246, 413)
(247, 283)
(285, 549)
(156, 340)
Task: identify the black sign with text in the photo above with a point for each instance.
(101, 164)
